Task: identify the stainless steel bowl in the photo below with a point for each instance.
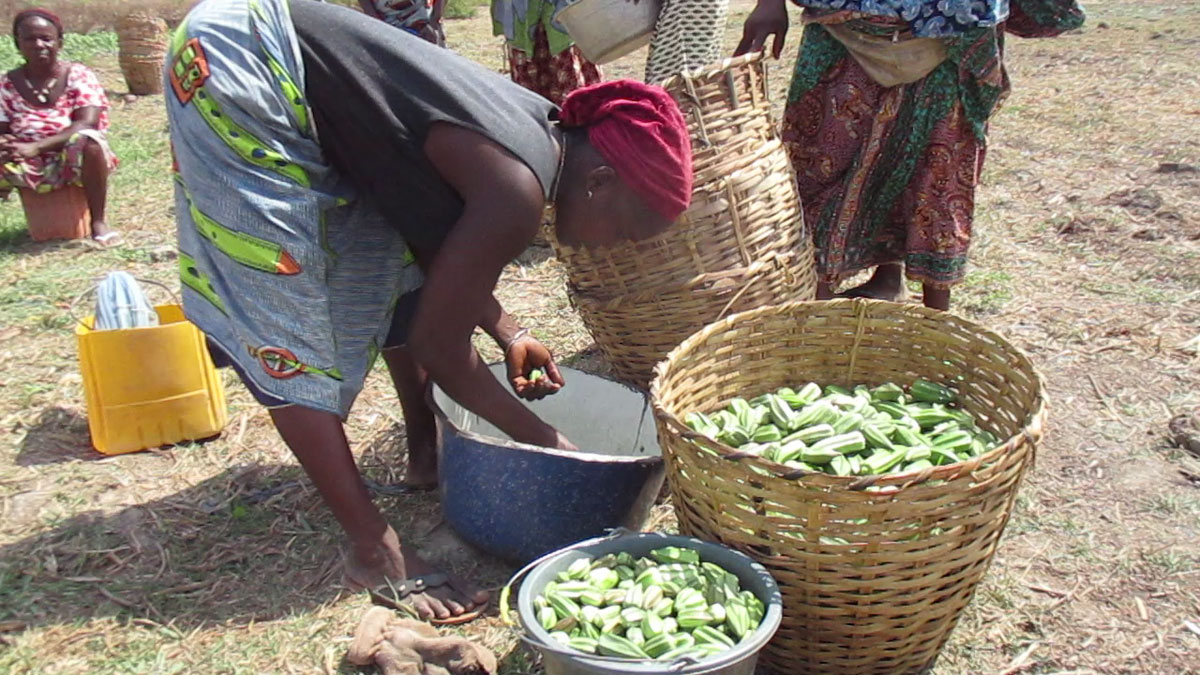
(606, 30)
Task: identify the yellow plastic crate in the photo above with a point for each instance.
(149, 387)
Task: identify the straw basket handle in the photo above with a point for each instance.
(753, 278)
(688, 79)
(72, 305)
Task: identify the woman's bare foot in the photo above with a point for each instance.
(887, 283)
(104, 235)
(373, 564)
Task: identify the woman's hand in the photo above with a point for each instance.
(526, 355)
(432, 32)
(561, 443)
(26, 150)
(769, 17)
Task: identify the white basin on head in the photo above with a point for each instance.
(606, 30)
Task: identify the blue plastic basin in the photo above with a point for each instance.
(519, 501)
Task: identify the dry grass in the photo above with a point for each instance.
(84, 16)
(220, 557)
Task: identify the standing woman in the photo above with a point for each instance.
(541, 56)
(53, 117)
(886, 125)
(689, 35)
(345, 190)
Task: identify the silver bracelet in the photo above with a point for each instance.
(520, 335)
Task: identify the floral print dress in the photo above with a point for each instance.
(29, 123)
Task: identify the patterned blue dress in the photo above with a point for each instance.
(927, 18)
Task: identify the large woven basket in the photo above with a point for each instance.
(142, 44)
(740, 245)
(919, 543)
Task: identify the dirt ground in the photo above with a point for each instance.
(220, 558)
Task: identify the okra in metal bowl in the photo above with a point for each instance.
(649, 603)
(665, 606)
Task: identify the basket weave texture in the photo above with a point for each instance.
(917, 544)
(742, 244)
(142, 45)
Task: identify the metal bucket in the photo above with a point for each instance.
(740, 660)
(606, 30)
(519, 501)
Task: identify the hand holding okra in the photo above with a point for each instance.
(531, 369)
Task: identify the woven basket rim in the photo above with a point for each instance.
(891, 483)
(715, 68)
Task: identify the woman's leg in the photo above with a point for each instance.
(887, 283)
(318, 441)
(95, 185)
(410, 381)
(937, 298)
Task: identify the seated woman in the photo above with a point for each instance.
(53, 116)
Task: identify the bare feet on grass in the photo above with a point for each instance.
(371, 565)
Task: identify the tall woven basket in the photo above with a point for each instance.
(142, 44)
(918, 543)
(742, 244)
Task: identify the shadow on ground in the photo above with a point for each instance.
(59, 435)
(251, 544)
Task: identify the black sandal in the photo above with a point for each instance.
(392, 596)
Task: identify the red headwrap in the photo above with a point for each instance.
(41, 14)
(640, 132)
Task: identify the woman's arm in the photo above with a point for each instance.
(503, 209)
(522, 354)
(498, 324)
(6, 141)
(82, 118)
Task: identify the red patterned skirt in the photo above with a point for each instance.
(551, 75)
(888, 174)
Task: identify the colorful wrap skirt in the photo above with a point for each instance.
(292, 278)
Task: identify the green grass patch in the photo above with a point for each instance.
(85, 49)
(984, 291)
(462, 9)
(1173, 562)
